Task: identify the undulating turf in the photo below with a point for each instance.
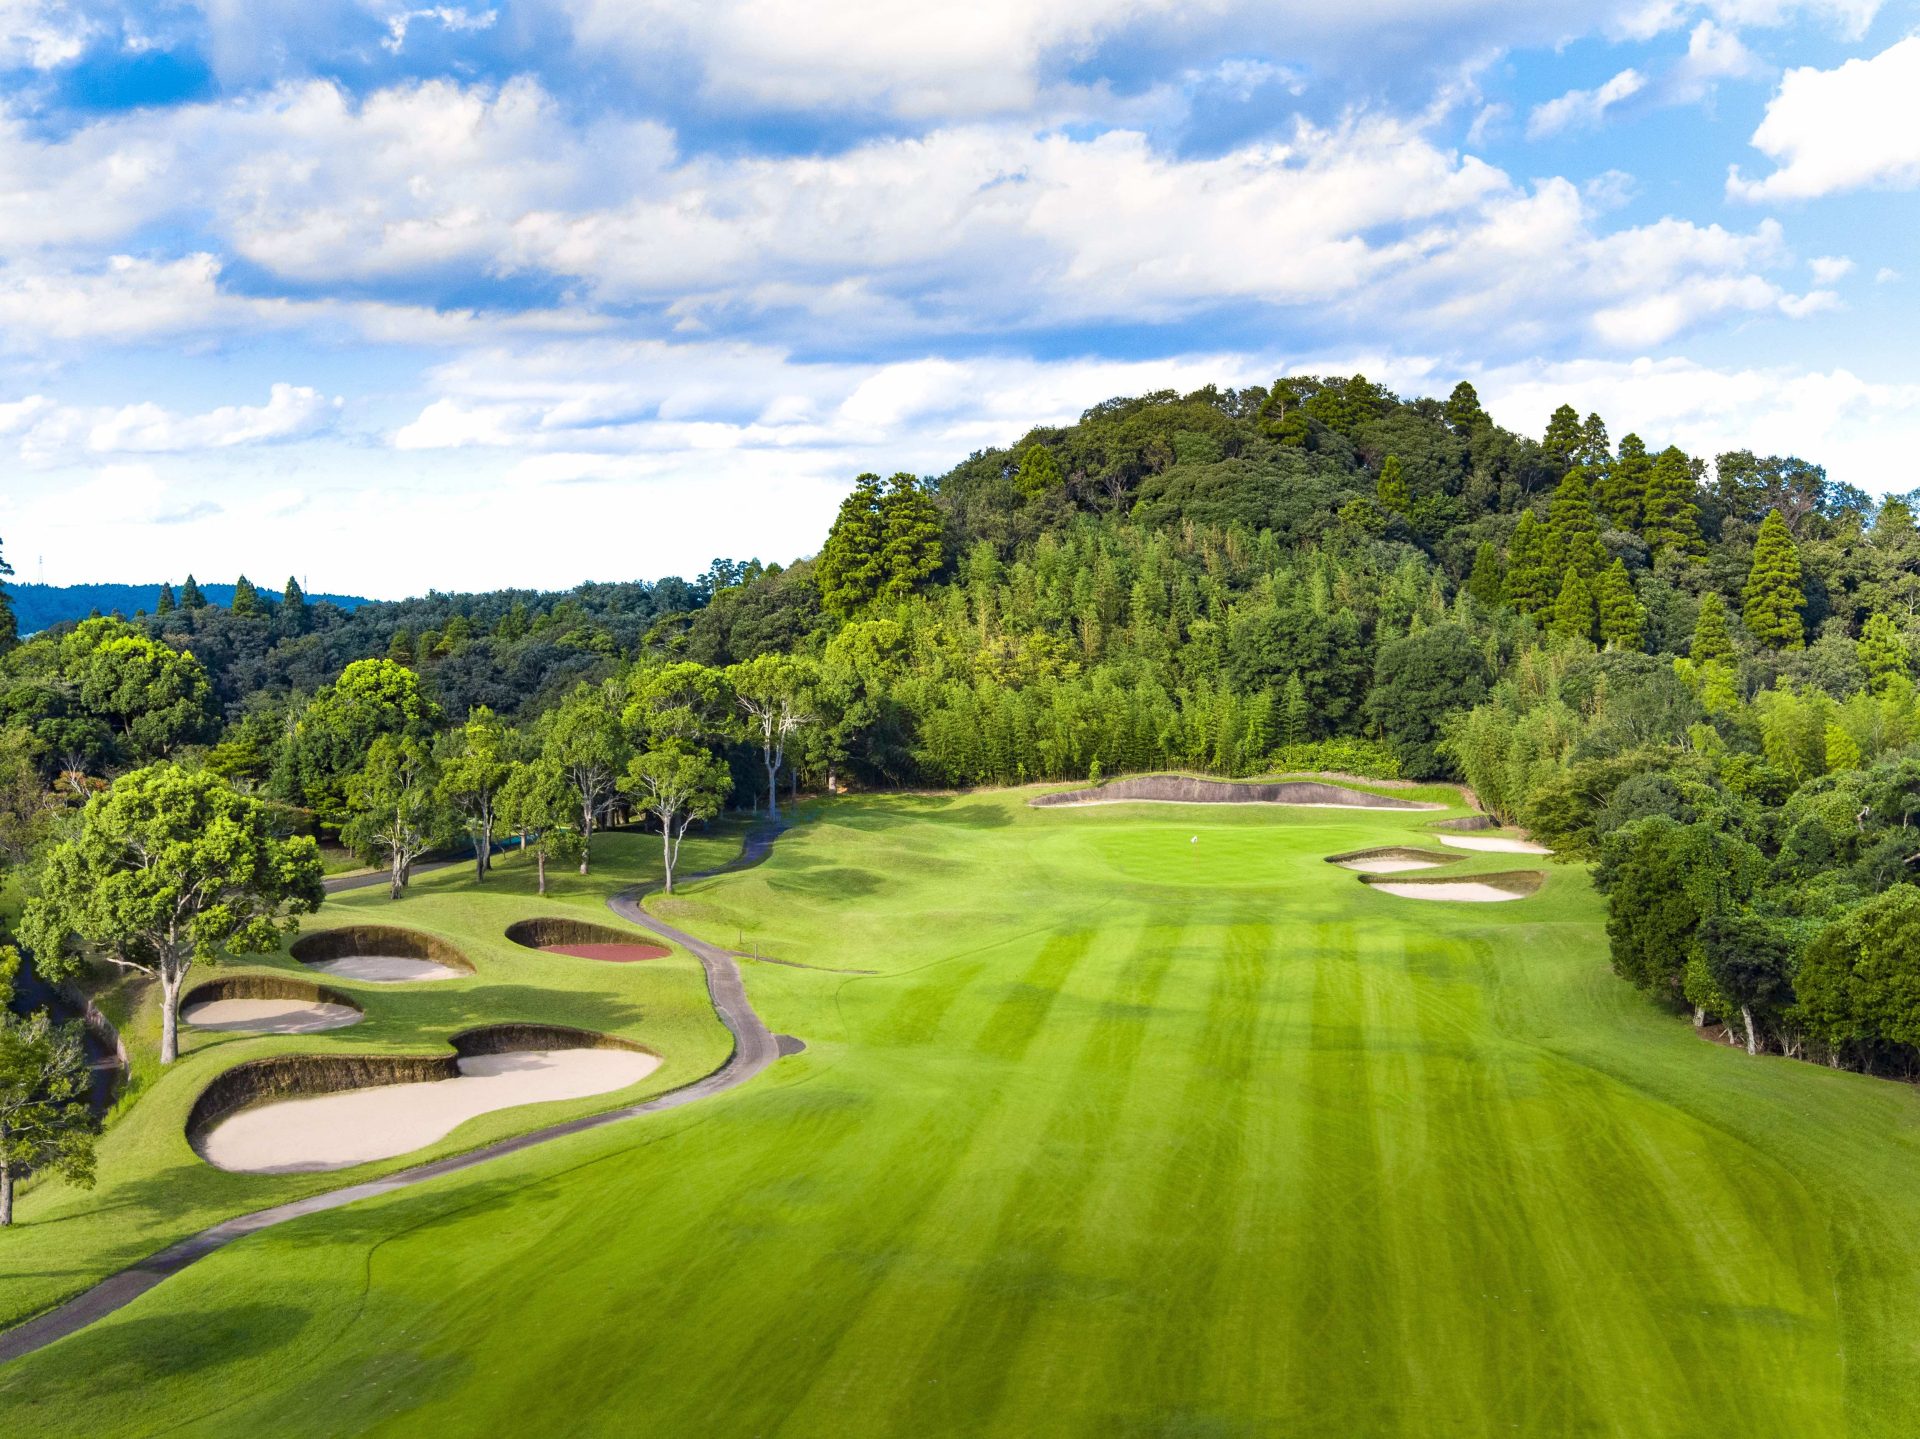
(1150, 1122)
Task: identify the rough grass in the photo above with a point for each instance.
(1131, 1135)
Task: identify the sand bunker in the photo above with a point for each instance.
(270, 1016)
(267, 1004)
(386, 968)
(1178, 789)
(609, 953)
(335, 1131)
(1493, 844)
(293, 1112)
(381, 954)
(1480, 889)
(1391, 860)
(583, 940)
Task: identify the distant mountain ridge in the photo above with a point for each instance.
(38, 606)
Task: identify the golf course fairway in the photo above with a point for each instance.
(1147, 1122)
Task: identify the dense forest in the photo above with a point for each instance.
(1696, 672)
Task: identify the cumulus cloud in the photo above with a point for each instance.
(41, 34)
(1583, 109)
(46, 433)
(1842, 129)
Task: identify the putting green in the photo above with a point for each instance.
(1129, 1135)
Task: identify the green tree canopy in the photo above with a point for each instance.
(44, 1120)
(398, 811)
(1712, 639)
(246, 599)
(169, 868)
(1530, 585)
(1622, 618)
(1419, 681)
(1573, 528)
(1391, 489)
(1772, 600)
(677, 785)
(1572, 615)
(1671, 519)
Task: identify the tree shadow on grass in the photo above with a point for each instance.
(841, 881)
(121, 1359)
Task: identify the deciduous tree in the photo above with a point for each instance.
(45, 1123)
(677, 785)
(169, 868)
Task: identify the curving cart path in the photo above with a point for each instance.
(754, 1048)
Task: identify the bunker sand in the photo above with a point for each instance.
(336, 1131)
(270, 1016)
(1492, 844)
(384, 968)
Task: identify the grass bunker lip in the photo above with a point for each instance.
(583, 939)
(268, 1004)
(491, 1052)
(1181, 789)
(381, 954)
(1392, 859)
(1468, 888)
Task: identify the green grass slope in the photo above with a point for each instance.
(1129, 1134)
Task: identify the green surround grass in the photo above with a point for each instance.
(1130, 1135)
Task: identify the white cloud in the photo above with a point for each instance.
(1713, 54)
(1583, 109)
(1861, 430)
(41, 34)
(449, 17)
(1843, 129)
(1829, 269)
(47, 433)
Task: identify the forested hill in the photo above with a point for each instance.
(37, 607)
(1696, 670)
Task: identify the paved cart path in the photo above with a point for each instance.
(754, 1048)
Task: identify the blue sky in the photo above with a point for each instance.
(398, 296)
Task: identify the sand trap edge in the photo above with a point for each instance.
(1433, 857)
(1471, 821)
(381, 940)
(302, 1076)
(1179, 789)
(540, 932)
(1517, 882)
(266, 986)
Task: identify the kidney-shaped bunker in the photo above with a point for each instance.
(301, 1112)
(584, 940)
(267, 1004)
(382, 953)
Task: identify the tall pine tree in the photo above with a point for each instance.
(190, 596)
(1391, 488)
(293, 608)
(1463, 410)
(165, 604)
(1529, 578)
(850, 567)
(1595, 452)
(1622, 490)
(1883, 653)
(1562, 440)
(246, 599)
(910, 548)
(1572, 615)
(1622, 620)
(1488, 577)
(1712, 640)
(1671, 522)
(1573, 528)
(1772, 600)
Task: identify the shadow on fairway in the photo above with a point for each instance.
(122, 1357)
(839, 881)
